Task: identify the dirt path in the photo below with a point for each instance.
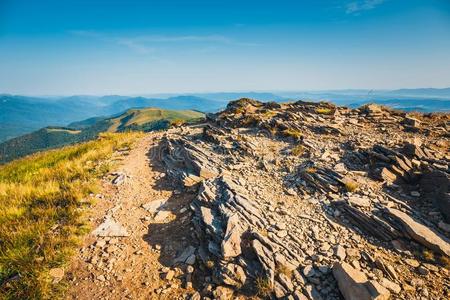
(137, 266)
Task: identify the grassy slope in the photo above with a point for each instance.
(40, 212)
(146, 119)
(140, 117)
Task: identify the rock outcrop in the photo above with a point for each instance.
(310, 200)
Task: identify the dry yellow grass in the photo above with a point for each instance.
(296, 134)
(263, 287)
(282, 269)
(298, 150)
(324, 111)
(40, 212)
(351, 186)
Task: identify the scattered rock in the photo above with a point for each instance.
(421, 233)
(110, 228)
(354, 285)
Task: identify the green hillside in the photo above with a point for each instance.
(145, 119)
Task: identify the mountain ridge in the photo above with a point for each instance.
(145, 119)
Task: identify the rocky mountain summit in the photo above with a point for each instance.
(312, 201)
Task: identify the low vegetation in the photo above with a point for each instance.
(324, 111)
(351, 186)
(298, 150)
(283, 269)
(41, 201)
(296, 134)
(263, 287)
(143, 119)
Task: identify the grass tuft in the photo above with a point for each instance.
(428, 255)
(445, 261)
(283, 269)
(40, 217)
(298, 150)
(311, 170)
(324, 111)
(296, 134)
(177, 122)
(263, 287)
(351, 186)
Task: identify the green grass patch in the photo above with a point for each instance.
(324, 111)
(40, 212)
(296, 134)
(298, 150)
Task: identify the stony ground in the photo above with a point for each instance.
(134, 266)
(295, 201)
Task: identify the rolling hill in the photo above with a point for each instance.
(20, 115)
(145, 119)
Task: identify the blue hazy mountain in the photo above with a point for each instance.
(20, 114)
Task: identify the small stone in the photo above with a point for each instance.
(444, 226)
(407, 288)
(309, 271)
(339, 251)
(291, 192)
(57, 274)
(415, 194)
(100, 243)
(189, 269)
(196, 296)
(392, 286)
(412, 262)
(101, 278)
(423, 271)
(359, 201)
(169, 275)
(154, 206)
(110, 228)
(162, 215)
(282, 233)
(223, 293)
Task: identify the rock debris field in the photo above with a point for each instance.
(276, 201)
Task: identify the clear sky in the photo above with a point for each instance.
(62, 47)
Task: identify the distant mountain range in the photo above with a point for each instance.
(20, 114)
(146, 119)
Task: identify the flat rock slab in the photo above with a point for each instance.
(359, 201)
(110, 228)
(119, 179)
(162, 215)
(154, 206)
(421, 233)
(354, 284)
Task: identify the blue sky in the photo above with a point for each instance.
(141, 47)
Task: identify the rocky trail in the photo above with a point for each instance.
(276, 201)
(128, 255)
